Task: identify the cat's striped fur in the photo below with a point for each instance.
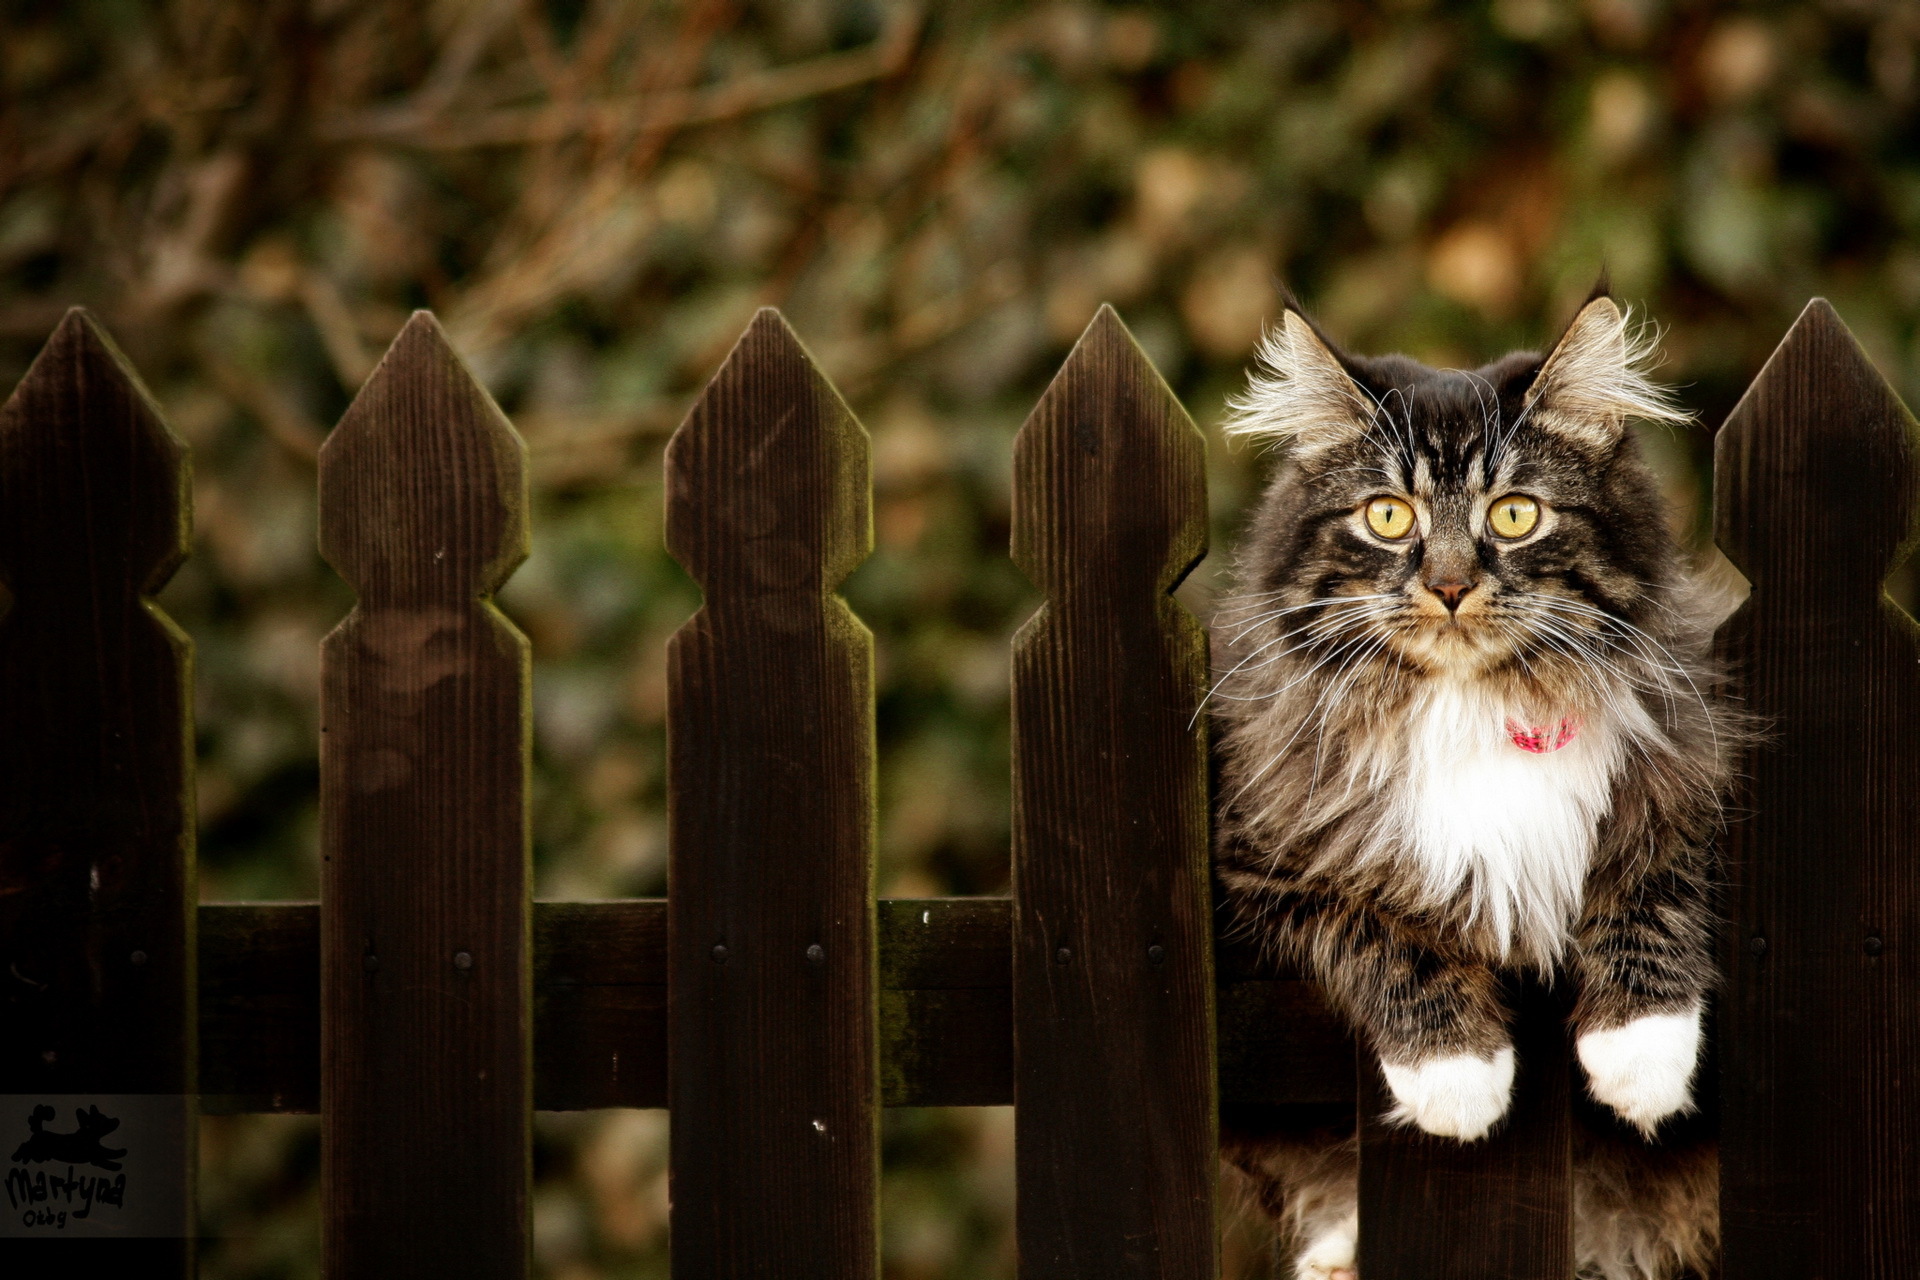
(1382, 820)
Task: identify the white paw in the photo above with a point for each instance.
(1642, 1070)
(1329, 1255)
(1458, 1097)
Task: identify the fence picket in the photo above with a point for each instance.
(754, 1002)
(1815, 495)
(1114, 1078)
(96, 830)
(425, 1057)
(1437, 1209)
(773, 1070)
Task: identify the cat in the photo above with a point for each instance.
(1468, 730)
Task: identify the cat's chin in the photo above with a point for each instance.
(1454, 651)
(1466, 651)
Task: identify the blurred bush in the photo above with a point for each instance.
(594, 195)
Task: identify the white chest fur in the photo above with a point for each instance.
(1513, 828)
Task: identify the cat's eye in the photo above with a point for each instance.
(1389, 518)
(1513, 516)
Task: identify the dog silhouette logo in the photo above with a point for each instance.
(82, 1146)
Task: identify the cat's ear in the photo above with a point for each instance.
(1596, 378)
(1300, 393)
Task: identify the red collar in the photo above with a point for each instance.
(1542, 738)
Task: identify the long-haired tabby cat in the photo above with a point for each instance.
(1468, 732)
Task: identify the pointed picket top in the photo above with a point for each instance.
(96, 741)
(1113, 941)
(1115, 474)
(423, 485)
(1839, 483)
(425, 863)
(1814, 496)
(773, 1068)
(114, 482)
(739, 518)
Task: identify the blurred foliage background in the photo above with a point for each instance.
(594, 195)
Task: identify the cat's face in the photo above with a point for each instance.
(1458, 521)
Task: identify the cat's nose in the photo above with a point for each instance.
(1450, 593)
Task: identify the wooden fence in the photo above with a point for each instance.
(426, 1007)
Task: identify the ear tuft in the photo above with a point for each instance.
(1299, 394)
(1596, 377)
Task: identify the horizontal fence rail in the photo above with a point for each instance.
(600, 1010)
(426, 1007)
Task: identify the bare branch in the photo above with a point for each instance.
(655, 113)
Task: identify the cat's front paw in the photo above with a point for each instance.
(1329, 1255)
(1457, 1097)
(1644, 1069)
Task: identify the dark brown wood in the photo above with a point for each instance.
(1498, 1209)
(946, 1002)
(774, 1066)
(600, 1005)
(425, 1076)
(1114, 1072)
(1280, 1043)
(940, 944)
(260, 1007)
(600, 1013)
(1815, 490)
(96, 829)
(599, 995)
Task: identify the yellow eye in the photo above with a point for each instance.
(1389, 518)
(1514, 516)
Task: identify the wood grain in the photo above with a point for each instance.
(259, 1007)
(600, 1010)
(1280, 1043)
(96, 829)
(774, 1069)
(1498, 1209)
(600, 1005)
(1114, 1073)
(1815, 490)
(946, 1002)
(599, 996)
(425, 1039)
